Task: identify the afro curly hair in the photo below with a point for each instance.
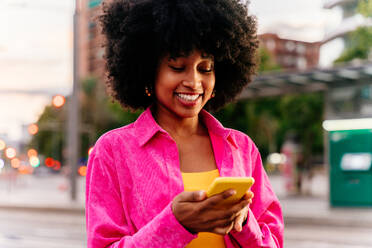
(139, 33)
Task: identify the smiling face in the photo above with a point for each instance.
(184, 84)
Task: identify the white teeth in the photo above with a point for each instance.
(188, 97)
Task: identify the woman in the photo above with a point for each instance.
(146, 181)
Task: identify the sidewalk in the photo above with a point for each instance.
(43, 193)
(315, 209)
(51, 193)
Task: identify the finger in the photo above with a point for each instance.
(223, 230)
(240, 218)
(248, 195)
(215, 199)
(225, 217)
(240, 206)
(193, 196)
(232, 212)
(220, 230)
(239, 222)
(251, 194)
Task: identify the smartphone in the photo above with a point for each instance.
(221, 184)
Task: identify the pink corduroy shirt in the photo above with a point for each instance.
(134, 174)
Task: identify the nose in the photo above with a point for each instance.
(192, 79)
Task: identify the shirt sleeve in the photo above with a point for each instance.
(264, 232)
(264, 226)
(108, 222)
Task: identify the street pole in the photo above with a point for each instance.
(73, 111)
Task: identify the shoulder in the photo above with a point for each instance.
(114, 139)
(243, 141)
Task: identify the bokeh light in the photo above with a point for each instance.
(58, 101)
(31, 153)
(90, 150)
(33, 129)
(49, 162)
(10, 152)
(56, 165)
(82, 171)
(34, 161)
(276, 158)
(15, 163)
(23, 169)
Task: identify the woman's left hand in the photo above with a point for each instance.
(242, 216)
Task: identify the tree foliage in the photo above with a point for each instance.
(268, 120)
(359, 42)
(365, 8)
(98, 114)
(266, 61)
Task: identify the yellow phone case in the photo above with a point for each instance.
(240, 184)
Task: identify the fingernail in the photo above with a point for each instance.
(201, 194)
(233, 192)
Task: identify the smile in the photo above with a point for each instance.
(188, 97)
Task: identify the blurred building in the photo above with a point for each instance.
(291, 54)
(90, 39)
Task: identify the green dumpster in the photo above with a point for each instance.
(350, 156)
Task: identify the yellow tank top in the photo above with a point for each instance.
(200, 181)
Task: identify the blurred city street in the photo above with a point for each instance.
(41, 229)
(37, 212)
(308, 109)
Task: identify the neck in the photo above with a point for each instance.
(179, 127)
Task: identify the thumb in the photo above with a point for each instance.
(193, 196)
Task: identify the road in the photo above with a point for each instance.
(19, 229)
(310, 236)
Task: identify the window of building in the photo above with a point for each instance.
(301, 49)
(270, 44)
(290, 46)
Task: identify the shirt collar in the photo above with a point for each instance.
(146, 127)
(214, 126)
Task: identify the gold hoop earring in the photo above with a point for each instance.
(213, 94)
(147, 91)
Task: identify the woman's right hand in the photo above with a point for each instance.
(197, 213)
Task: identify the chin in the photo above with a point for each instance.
(188, 114)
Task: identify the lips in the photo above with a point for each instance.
(188, 97)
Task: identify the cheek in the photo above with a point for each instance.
(166, 81)
(210, 84)
(161, 83)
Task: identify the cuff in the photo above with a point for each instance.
(251, 234)
(168, 232)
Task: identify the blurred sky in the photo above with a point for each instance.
(35, 54)
(36, 48)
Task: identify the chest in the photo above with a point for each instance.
(152, 175)
(196, 155)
